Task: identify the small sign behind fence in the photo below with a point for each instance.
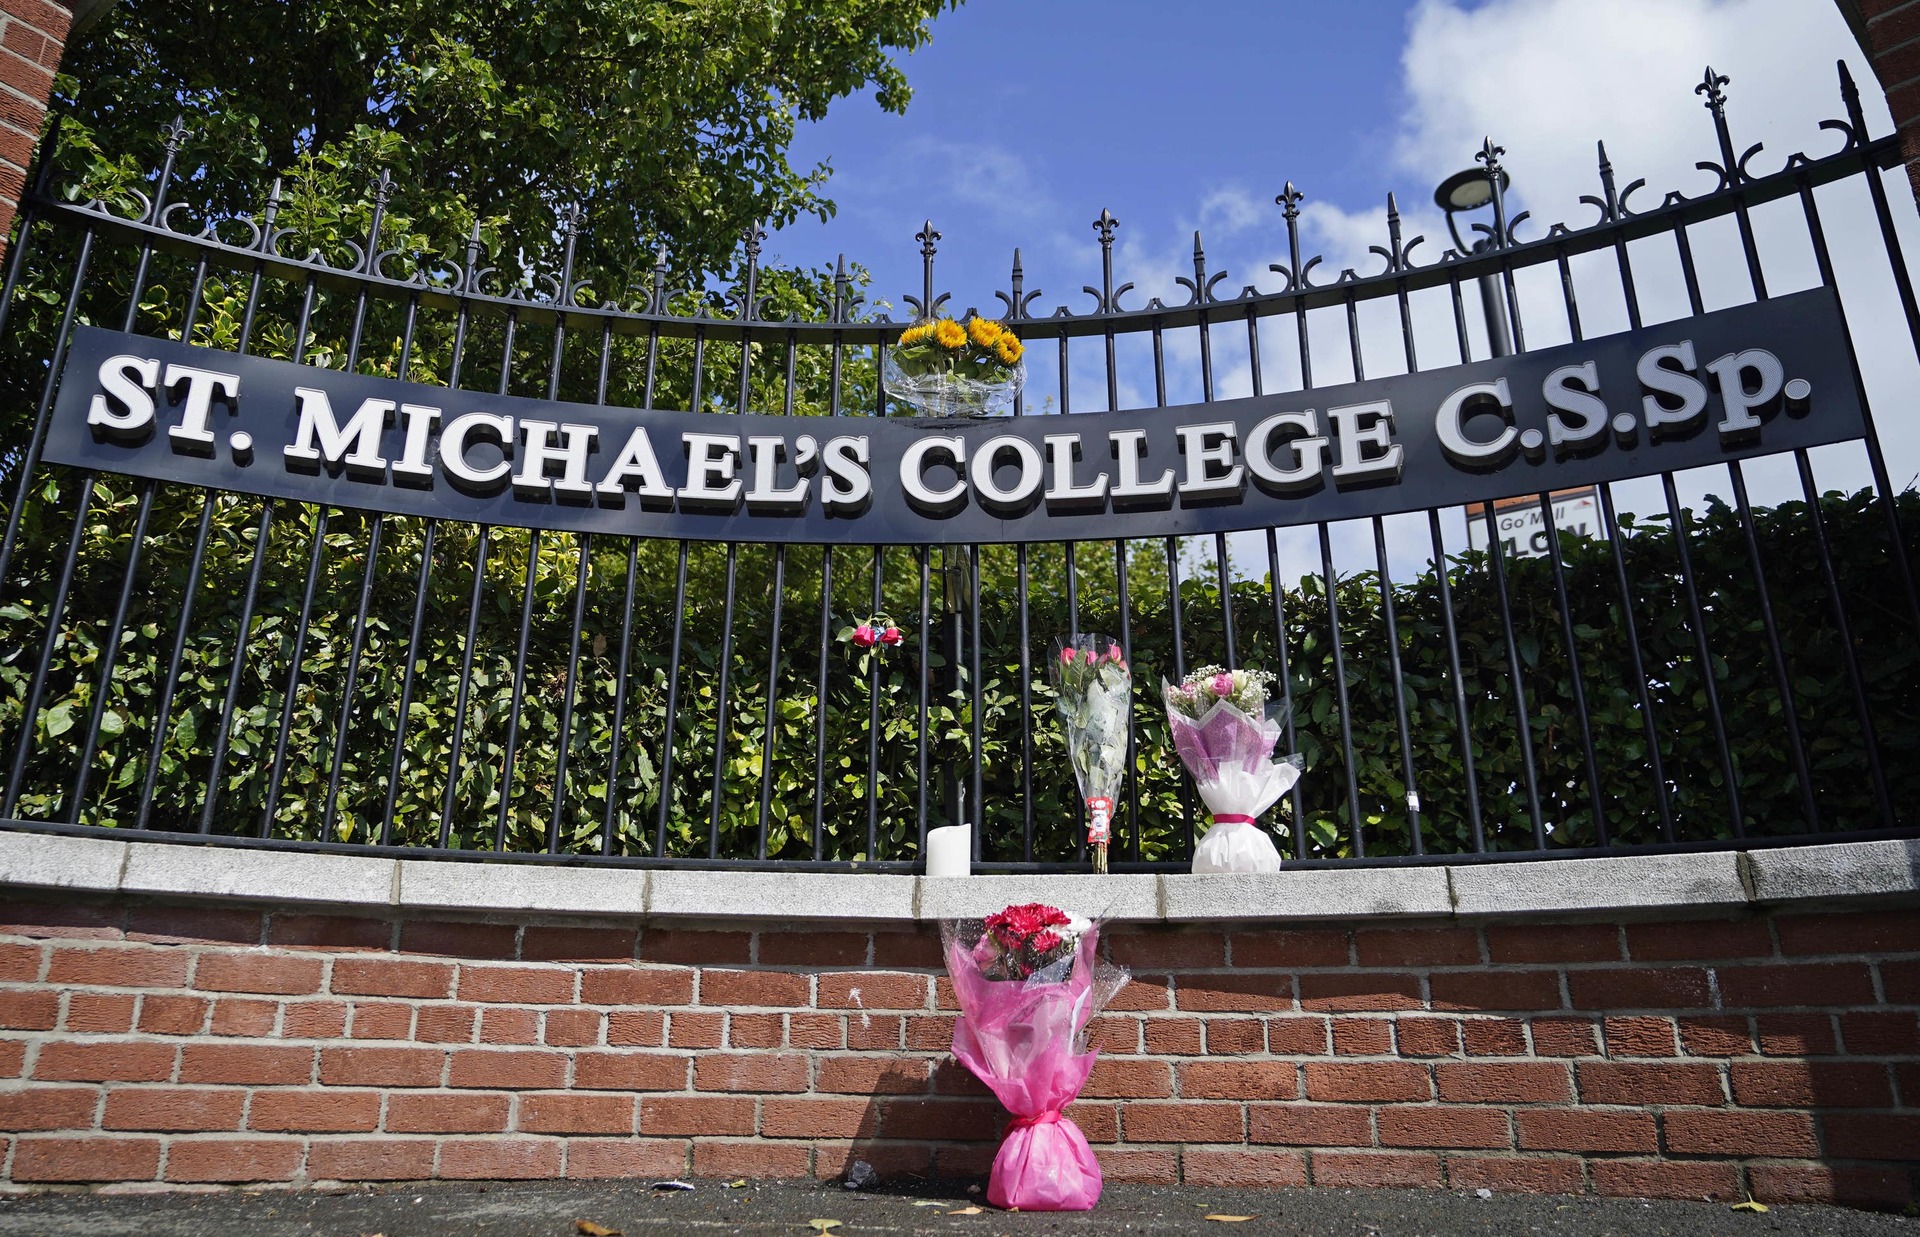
(1523, 526)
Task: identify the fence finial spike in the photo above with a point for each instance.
(1393, 206)
(1710, 86)
(1850, 96)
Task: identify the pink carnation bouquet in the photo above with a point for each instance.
(1028, 982)
(1226, 733)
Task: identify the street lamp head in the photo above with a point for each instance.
(1467, 190)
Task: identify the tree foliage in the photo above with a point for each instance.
(667, 120)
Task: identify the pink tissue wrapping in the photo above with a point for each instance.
(1018, 1038)
(1230, 755)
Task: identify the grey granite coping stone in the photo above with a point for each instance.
(1624, 882)
(51, 861)
(837, 896)
(1835, 870)
(1872, 871)
(442, 885)
(266, 875)
(1116, 898)
(1309, 893)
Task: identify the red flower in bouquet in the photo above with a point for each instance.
(1020, 940)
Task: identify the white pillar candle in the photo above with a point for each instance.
(949, 851)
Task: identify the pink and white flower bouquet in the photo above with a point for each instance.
(1028, 981)
(1226, 731)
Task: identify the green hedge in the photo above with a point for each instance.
(1742, 671)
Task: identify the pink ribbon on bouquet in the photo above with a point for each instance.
(1051, 1117)
(1231, 818)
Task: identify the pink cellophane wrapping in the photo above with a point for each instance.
(1027, 1041)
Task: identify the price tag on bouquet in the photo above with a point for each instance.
(1099, 820)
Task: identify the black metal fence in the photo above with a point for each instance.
(213, 666)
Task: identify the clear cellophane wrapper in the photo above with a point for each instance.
(943, 393)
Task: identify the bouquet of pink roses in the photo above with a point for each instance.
(1027, 983)
(1225, 733)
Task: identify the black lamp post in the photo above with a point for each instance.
(1471, 190)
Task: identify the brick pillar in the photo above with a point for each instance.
(33, 33)
(1889, 32)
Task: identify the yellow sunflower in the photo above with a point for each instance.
(915, 334)
(984, 332)
(1008, 349)
(949, 334)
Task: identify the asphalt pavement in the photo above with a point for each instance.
(632, 1208)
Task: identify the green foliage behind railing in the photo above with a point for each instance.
(1743, 674)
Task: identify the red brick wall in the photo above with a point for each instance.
(32, 35)
(1889, 32)
(1778, 1055)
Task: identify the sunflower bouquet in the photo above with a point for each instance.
(946, 368)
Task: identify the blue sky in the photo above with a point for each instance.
(1028, 118)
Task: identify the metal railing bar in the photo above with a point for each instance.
(1496, 558)
(923, 642)
(1332, 586)
(354, 651)
(570, 692)
(820, 699)
(618, 733)
(1880, 152)
(466, 683)
(771, 724)
(873, 715)
(422, 589)
(30, 709)
(722, 706)
(667, 729)
(1843, 632)
(1676, 516)
(290, 698)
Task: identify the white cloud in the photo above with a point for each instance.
(975, 174)
(1548, 79)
